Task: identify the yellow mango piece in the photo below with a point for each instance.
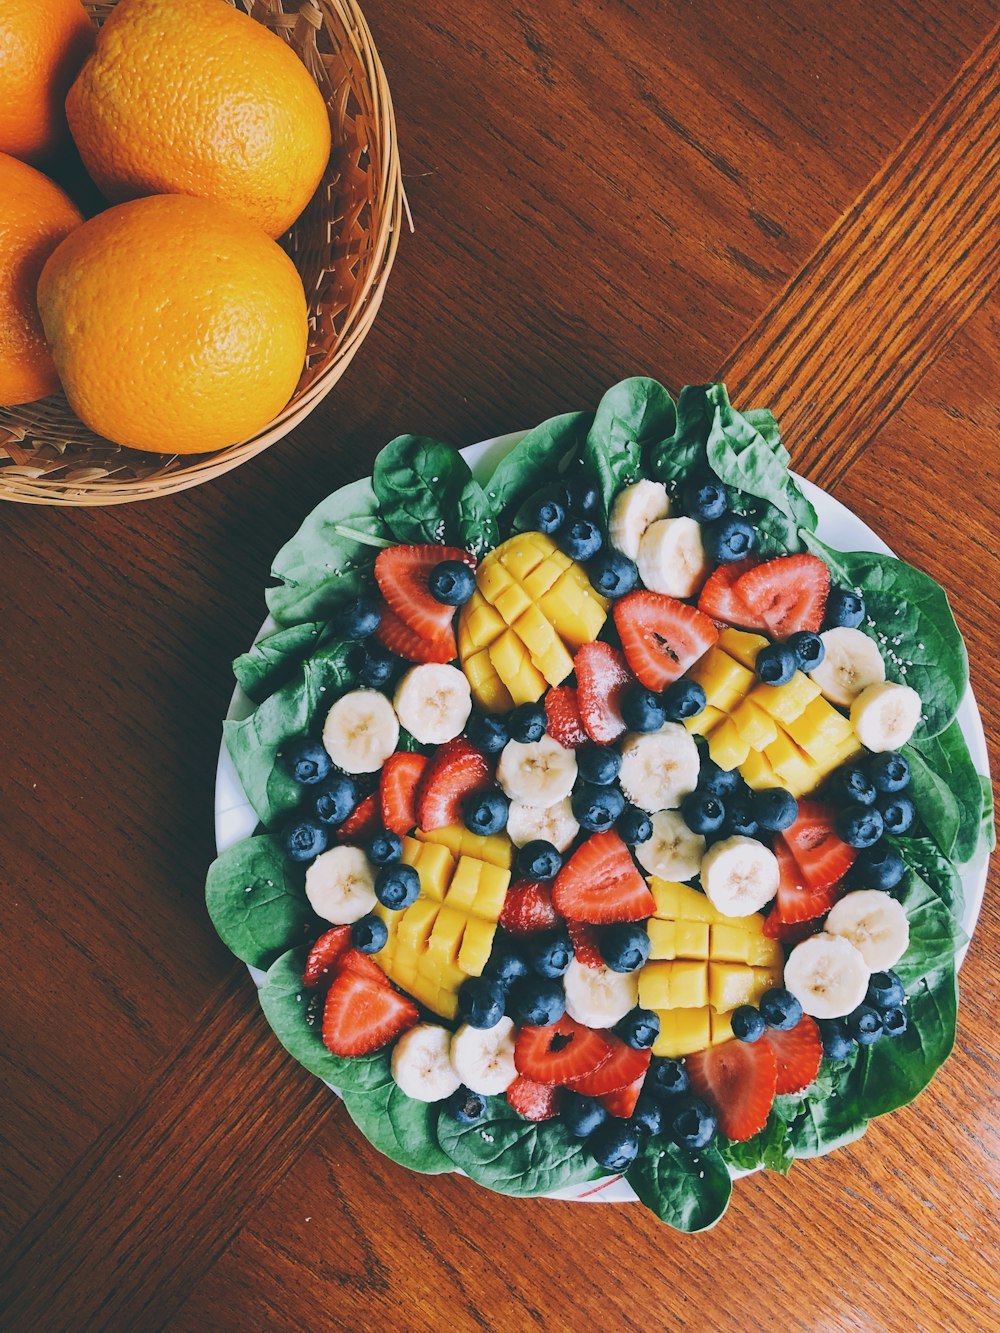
(850, 748)
(662, 938)
(786, 702)
(793, 766)
(726, 746)
(577, 614)
(493, 882)
(427, 992)
(548, 653)
(708, 718)
(416, 923)
(688, 984)
(692, 939)
(483, 623)
(513, 665)
(433, 863)
(722, 1028)
(755, 726)
(724, 680)
(513, 602)
(820, 730)
(487, 688)
(464, 885)
(764, 978)
(543, 576)
(729, 985)
(757, 772)
(497, 848)
(403, 971)
(729, 944)
(477, 945)
(682, 1032)
(446, 935)
(654, 985)
(679, 902)
(521, 554)
(492, 579)
(742, 645)
(766, 953)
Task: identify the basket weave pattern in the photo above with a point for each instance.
(343, 246)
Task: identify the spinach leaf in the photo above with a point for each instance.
(771, 1149)
(271, 660)
(633, 416)
(530, 466)
(330, 558)
(256, 899)
(909, 618)
(947, 791)
(427, 494)
(403, 1129)
(763, 421)
(935, 935)
(894, 1070)
(987, 828)
(924, 857)
(828, 1114)
(687, 1190)
(684, 453)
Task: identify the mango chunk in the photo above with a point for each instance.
(708, 718)
(757, 771)
(497, 849)
(742, 645)
(726, 746)
(662, 938)
(722, 1027)
(724, 680)
(755, 726)
(682, 1031)
(786, 702)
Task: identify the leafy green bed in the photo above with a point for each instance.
(423, 491)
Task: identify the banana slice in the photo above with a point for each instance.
(421, 1063)
(340, 885)
(827, 975)
(361, 731)
(598, 997)
(885, 715)
(875, 923)
(739, 876)
(433, 702)
(672, 559)
(483, 1058)
(673, 852)
(537, 772)
(634, 509)
(850, 664)
(556, 824)
(659, 768)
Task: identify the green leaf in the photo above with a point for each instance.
(923, 856)
(987, 828)
(543, 454)
(633, 416)
(909, 618)
(935, 935)
(763, 421)
(828, 1114)
(947, 791)
(271, 660)
(771, 1149)
(894, 1070)
(688, 1190)
(684, 453)
(427, 494)
(256, 899)
(403, 1129)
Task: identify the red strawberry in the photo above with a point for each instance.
(585, 945)
(797, 1052)
(528, 908)
(622, 1103)
(600, 884)
(563, 713)
(601, 679)
(789, 933)
(738, 1080)
(788, 594)
(560, 1053)
(455, 772)
(619, 1071)
(398, 791)
(362, 965)
(796, 902)
(363, 822)
(535, 1101)
(324, 955)
(661, 637)
(720, 600)
(822, 857)
(361, 1015)
(402, 573)
(397, 636)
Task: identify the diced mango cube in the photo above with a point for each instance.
(540, 580)
(497, 848)
(726, 746)
(577, 614)
(688, 984)
(742, 645)
(513, 665)
(547, 651)
(464, 884)
(722, 1028)
(766, 953)
(433, 863)
(477, 944)
(724, 680)
(521, 554)
(682, 1031)
(662, 938)
(755, 726)
(703, 723)
(786, 702)
(416, 923)
(692, 939)
(680, 902)
(729, 985)
(480, 622)
(764, 978)
(492, 579)
(512, 602)
(446, 935)
(491, 891)
(819, 730)
(730, 944)
(757, 771)
(793, 766)
(489, 690)
(654, 986)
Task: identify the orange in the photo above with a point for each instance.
(35, 217)
(193, 97)
(42, 46)
(176, 325)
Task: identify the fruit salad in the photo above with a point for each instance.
(610, 821)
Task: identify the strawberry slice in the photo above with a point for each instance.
(560, 1053)
(397, 791)
(535, 1101)
(738, 1079)
(324, 956)
(364, 821)
(796, 901)
(402, 573)
(528, 908)
(823, 858)
(787, 594)
(600, 884)
(661, 637)
(789, 932)
(456, 771)
(397, 636)
(601, 679)
(797, 1053)
(362, 965)
(622, 1103)
(565, 725)
(623, 1067)
(362, 1015)
(585, 943)
(720, 600)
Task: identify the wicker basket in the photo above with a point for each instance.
(343, 246)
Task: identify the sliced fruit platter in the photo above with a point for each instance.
(611, 823)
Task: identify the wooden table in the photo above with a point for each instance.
(794, 196)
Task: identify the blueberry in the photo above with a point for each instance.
(860, 827)
(306, 761)
(360, 618)
(612, 574)
(452, 582)
(581, 1115)
(844, 607)
(780, 1009)
(538, 1001)
(642, 709)
(465, 1106)
(481, 1002)
(669, 1076)
(538, 859)
(720, 781)
(634, 826)
(625, 947)
(703, 812)
(549, 953)
(898, 812)
(547, 510)
(776, 664)
(885, 991)
(614, 1144)
(304, 839)
(879, 867)
(506, 964)
(598, 764)
(639, 1028)
(385, 848)
(487, 732)
(485, 813)
(864, 1025)
(741, 821)
(728, 539)
(335, 799)
(580, 538)
(894, 1022)
(377, 667)
(596, 808)
(774, 809)
(808, 649)
(888, 771)
(527, 723)
(649, 1113)
(837, 1041)
(748, 1023)
(397, 886)
(704, 501)
(691, 1123)
(584, 495)
(683, 699)
(369, 934)
(852, 784)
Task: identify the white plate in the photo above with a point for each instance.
(838, 527)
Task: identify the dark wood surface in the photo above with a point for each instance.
(802, 197)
